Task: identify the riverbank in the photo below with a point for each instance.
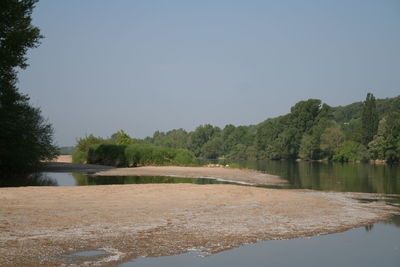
(43, 225)
(245, 176)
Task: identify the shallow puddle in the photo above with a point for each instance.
(86, 257)
(88, 253)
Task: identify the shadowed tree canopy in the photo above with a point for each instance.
(25, 137)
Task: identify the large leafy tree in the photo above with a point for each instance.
(369, 119)
(25, 137)
(199, 137)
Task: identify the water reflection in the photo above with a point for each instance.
(28, 179)
(346, 177)
(84, 179)
(342, 177)
(369, 227)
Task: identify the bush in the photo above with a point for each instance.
(347, 152)
(107, 154)
(138, 154)
(121, 151)
(82, 147)
(184, 157)
(79, 157)
(164, 156)
(134, 155)
(142, 154)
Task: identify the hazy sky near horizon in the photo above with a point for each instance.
(154, 65)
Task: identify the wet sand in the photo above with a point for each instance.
(42, 225)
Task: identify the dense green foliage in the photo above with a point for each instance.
(312, 130)
(144, 154)
(211, 142)
(25, 137)
(107, 154)
(121, 150)
(369, 120)
(138, 155)
(82, 147)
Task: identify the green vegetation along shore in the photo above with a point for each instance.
(362, 131)
(120, 150)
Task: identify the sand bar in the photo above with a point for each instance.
(42, 225)
(227, 174)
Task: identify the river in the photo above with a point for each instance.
(372, 245)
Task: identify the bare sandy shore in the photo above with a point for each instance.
(228, 174)
(63, 158)
(40, 226)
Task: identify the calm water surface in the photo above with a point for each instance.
(375, 245)
(342, 177)
(306, 175)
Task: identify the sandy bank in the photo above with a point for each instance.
(63, 158)
(229, 174)
(38, 225)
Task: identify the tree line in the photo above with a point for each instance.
(362, 131)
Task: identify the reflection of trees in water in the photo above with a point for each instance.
(27, 179)
(80, 178)
(85, 179)
(342, 177)
(395, 221)
(369, 227)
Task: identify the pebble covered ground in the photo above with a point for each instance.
(47, 225)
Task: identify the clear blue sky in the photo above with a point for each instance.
(154, 65)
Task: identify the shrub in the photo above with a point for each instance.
(347, 152)
(107, 154)
(184, 157)
(121, 138)
(162, 155)
(82, 147)
(97, 151)
(79, 157)
(142, 154)
(133, 155)
(139, 154)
